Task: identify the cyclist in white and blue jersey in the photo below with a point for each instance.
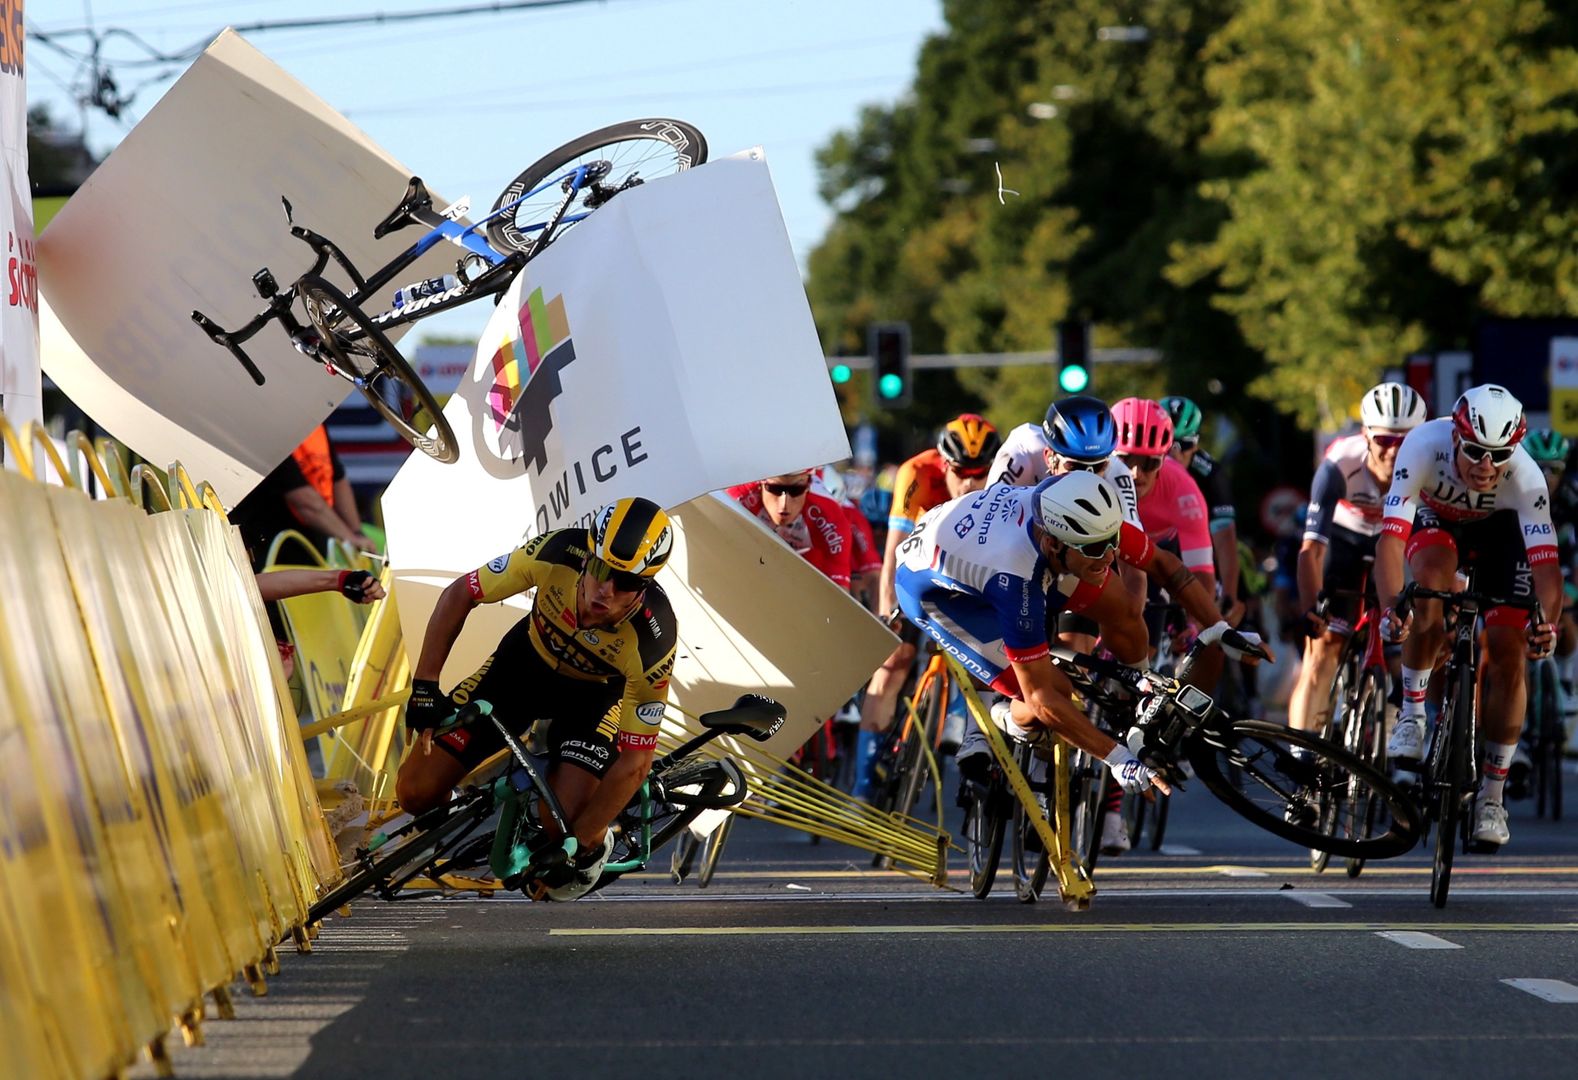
(980, 575)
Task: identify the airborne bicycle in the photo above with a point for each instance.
(537, 208)
(498, 823)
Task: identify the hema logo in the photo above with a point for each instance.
(518, 403)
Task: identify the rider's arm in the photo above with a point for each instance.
(1312, 568)
(887, 593)
(901, 522)
(1414, 459)
(1185, 587)
(1047, 691)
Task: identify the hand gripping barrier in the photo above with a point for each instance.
(159, 831)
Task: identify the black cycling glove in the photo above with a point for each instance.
(427, 707)
(355, 583)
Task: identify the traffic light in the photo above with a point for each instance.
(1073, 356)
(839, 373)
(889, 345)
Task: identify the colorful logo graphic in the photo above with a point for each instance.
(526, 378)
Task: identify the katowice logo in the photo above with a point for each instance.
(526, 380)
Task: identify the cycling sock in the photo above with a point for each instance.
(865, 749)
(1114, 800)
(1415, 682)
(1498, 757)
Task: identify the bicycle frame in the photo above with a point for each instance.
(417, 207)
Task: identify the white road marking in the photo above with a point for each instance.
(1315, 899)
(1553, 990)
(1242, 871)
(1177, 849)
(1417, 939)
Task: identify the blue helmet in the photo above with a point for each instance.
(1081, 428)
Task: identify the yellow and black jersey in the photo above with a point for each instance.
(639, 651)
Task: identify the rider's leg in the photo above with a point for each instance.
(1505, 698)
(1432, 558)
(428, 775)
(1309, 707)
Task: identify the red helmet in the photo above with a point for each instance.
(1144, 427)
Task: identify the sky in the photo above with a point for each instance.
(467, 103)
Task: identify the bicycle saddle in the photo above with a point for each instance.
(755, 715)
(415, 200)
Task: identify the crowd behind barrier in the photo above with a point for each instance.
(159, 828)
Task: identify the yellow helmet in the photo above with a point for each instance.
(969, 443)
(631, 536)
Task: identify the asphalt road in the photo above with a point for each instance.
(1223, 955)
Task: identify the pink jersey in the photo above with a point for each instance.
(820, 535)
(1175, 510)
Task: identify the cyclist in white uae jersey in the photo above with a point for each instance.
(1464, 493)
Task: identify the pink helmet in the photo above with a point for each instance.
(1144, 427)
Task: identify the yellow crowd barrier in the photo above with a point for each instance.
(159, 830)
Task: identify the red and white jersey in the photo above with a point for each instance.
(1345, 493)
(1176, 510)
(864, 557)
(1425, 474)
(1022, 461)
(820, 535)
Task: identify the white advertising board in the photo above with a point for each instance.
(179, 218)
(20, 393)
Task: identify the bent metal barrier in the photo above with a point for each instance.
(159, 830)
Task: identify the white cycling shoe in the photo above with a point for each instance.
(1408, 740)
(1490, 824)
(1114, 834)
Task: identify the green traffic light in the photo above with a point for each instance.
(1073, 379)
(840, 373)
(890, 386)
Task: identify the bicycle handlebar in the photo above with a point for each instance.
(1414, 591)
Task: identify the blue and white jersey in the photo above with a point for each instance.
(981, 545)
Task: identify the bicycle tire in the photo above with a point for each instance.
(322, 300)
(687, 148)
(451, 824)
(1369, 744)
(1337, 728)
(1261, 752)
(985, 841)
(1028, 857)
(1134, 818)
(1449, 778)
(1087, 788)
(710, 775)
(714, 850)
(1549, 736)
(1157, 808)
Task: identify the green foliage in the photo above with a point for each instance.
(1284, 196)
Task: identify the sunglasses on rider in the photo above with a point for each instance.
(794, 491)
(623, 580)
(970, 473)
(1386, 442)
(1498, 455)
(1096, 549)
(1141, 462)
(1076, 465)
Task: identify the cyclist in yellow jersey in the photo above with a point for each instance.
(593, 656)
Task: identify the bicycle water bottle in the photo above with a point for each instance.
(422, 289)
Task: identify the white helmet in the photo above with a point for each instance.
(1490, 416)
(1392, 407)
(1077, 507)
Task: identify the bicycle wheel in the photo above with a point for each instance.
(984, 821)
(714, 850)
(1549, 737)
(1330, 807)
(1133, 818)
(1450, 776)
(1028, 855)
(636, 151)
(1156, 809)
(420, 842)
(713, 784)
(1280, 790)
(1087, 786)
(1367, 741)
(360, 349)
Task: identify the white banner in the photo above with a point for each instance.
(20, 394)
(180, 217)
(663, 347)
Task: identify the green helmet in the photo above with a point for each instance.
(1547, 445)
(1186, 416)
